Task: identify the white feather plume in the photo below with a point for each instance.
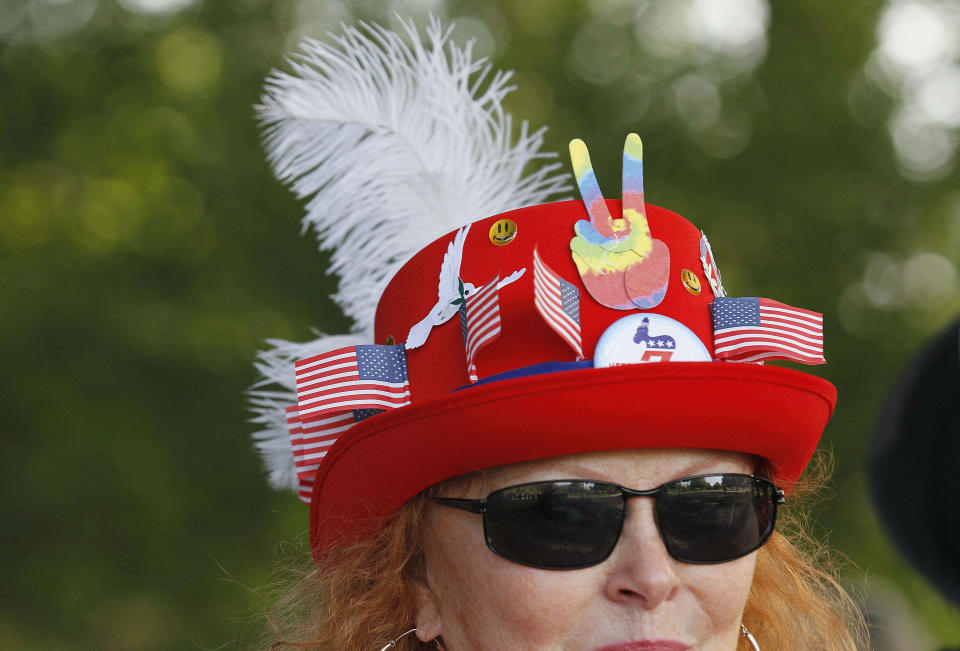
(393, 140)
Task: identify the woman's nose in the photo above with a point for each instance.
(641, 572)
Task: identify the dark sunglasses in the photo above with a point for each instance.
(567, 524)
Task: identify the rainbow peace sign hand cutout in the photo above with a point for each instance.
(620, 264)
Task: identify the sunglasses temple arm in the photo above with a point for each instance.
(471, 506)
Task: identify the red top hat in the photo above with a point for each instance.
(556, 330)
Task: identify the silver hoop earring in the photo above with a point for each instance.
(393, 642)
(744, 632)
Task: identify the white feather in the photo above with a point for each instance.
(393, 140)
(394, 143)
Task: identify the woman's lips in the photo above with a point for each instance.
(646, 645)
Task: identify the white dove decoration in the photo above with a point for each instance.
(451, 291)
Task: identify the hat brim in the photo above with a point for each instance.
(772, 412)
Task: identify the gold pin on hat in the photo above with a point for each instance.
(690, 281)
(503, 231)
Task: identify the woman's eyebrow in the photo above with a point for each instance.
(561, 471)
(577, 471)
(710, 466)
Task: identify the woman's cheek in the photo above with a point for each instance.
(721, 590)
(501, 604)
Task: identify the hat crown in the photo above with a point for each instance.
(438, 366)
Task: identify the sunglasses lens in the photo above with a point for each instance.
(717, 518)
(555, 525)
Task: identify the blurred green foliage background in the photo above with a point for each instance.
(146, 252)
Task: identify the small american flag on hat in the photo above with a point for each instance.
(751, 329)
(480, 321)
(558, 302)
(311, 441)
(355, 377)
(336, 390)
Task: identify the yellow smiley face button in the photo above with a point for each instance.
(690, 281)
(503, 231)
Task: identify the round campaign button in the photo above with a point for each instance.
(640, 338)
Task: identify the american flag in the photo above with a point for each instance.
(752, 329)
(355, 377)
(558, 302)
(311, 441)
(336, 390)
(480, 321)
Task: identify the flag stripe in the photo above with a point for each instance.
(325, 358)
(354, 404)
(760, 332)
(310, 412)
(481, 335)
(760, 346)
(355, 399)
(776, 305)
(564, 329)
(786, 319)
(482, 305)
(772, 342)
(789, 322)
(352, 388)
(306, 489)
(482, 339)
(321, 423)
(752, 356)
(322, 370)
(307, 384)
(320, 444)
(481, 331)
(773, 355)
(321, 373)
(560, 322)
(547, 288)
(566, 332)
(320, 434)
(748, 333)
(735, 352)
(384, 390)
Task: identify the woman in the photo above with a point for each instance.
(566, 443)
